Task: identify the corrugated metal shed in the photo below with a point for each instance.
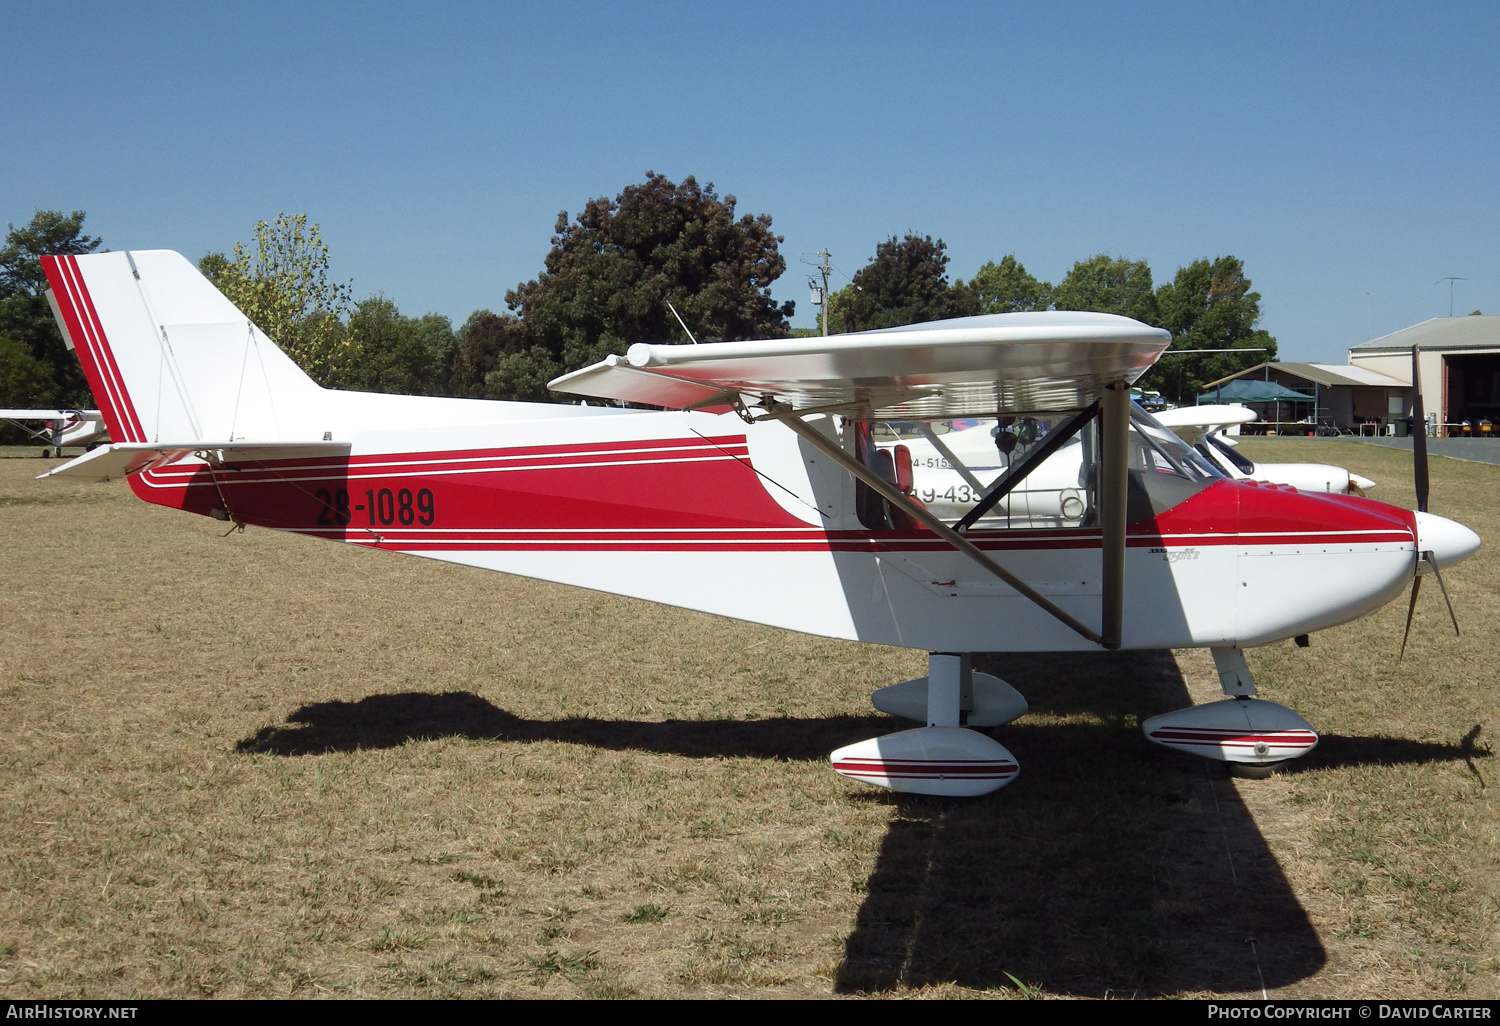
(1329, 374)
(1342, 374)
(1437, 334)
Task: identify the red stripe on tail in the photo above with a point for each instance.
(94, 355)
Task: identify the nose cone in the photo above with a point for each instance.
(1364, 484)
(1449, 541)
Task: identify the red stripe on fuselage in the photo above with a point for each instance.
(686, 495)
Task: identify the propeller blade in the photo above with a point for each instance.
(1416, 586)
(1419, 430)
(1444, 589)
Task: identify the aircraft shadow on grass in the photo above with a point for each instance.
(1110, 867)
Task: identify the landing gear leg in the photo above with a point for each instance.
(1249, 733)
(942, 758)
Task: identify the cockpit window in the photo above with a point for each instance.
(953, 465)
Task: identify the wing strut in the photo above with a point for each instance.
(1114, 458)
(792, 419)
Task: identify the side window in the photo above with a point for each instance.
(948, 467)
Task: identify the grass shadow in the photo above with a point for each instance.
(386, 721)
(1111, 867)
(1340, 750)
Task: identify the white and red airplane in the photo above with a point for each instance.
(757, 493)
(59, 427)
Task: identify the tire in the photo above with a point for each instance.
(1253, 771)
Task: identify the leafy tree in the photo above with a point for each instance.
(482, 342)
(523, 376)
(35, 365)
(284, 288)
(387, 352)
(25, 381)
(905, 283)
(1208, 305)
(1105, 285)
(612, 272)
(1007, 287)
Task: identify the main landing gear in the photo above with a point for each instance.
(945, 757)
(1252, 735)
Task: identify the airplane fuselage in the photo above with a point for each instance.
(710, 513)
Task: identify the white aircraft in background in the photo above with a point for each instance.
(1208, 429)
(59, 427)
(758, 492)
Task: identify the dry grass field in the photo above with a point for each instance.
(263, 765)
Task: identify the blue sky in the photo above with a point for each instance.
(1348, 154)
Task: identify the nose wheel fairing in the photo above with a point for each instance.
(1242, 730)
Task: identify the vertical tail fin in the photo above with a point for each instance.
(169, 359)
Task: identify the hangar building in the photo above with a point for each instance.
(1460, 366)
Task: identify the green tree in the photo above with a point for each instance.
(523, 376)
(1007, 287)
(25, 381)
(35, 365)
(482, 342)
(905, 283)
(283, 286)
(611, 273)
(1106, 285)
(1208, 305)
(385, 351)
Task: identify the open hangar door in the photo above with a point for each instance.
(1473, 392)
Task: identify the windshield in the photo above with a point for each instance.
(1244, 465)
(1163, 467)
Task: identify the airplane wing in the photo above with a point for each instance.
(111, 462)
(1191, 423)
(59, 427)
(972, 366)
(93, 415)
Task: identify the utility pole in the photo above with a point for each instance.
(826, 318)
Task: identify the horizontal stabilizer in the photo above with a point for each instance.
(111, 462)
